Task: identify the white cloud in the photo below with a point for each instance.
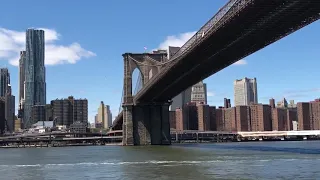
(176, 41)
(51, 35)
(12, 42)
(240, 62)
(210, 94)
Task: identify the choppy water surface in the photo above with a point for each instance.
(253, 160)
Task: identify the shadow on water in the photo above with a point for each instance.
(257, 146)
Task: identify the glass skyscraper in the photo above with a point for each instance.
(35, 75)
(22, 78)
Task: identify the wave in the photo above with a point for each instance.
(164, 163)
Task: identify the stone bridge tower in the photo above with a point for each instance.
(144, 122)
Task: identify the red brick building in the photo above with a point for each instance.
(260, 115)
(279, 119)
(203, 112)
(243, 118)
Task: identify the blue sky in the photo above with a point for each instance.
(86, 41)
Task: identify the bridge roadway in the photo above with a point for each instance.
(239, 29)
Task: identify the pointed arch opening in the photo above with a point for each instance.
(137, 81)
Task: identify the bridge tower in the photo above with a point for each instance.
(144, 123)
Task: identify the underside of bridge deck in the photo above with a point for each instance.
(239, 34)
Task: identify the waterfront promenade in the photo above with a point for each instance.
(115, 138)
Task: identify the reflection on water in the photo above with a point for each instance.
(254, 160)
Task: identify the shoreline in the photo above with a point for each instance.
(56, 146)
(120, 144)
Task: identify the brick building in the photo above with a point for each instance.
(260, 115)
(203, 112)
(309, 115)
(213, 120)
(291, 118)
(38, 113)
(255, 117)
(303, 110)
(172, 119)
(279, 119)
(230, 119)
(315, 114)
(179, 119)
(70, 110)
(243, 118)
(220, 119)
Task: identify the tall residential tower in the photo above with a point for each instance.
(245, 91)
(35, 79)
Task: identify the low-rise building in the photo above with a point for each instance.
(79, 127)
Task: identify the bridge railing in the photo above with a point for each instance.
(204, 29)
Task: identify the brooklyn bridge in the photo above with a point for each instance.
(238, 29)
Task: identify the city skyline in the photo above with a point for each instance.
(100, 77)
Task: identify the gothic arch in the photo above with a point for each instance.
(147, 64)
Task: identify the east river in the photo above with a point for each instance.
(246, 160)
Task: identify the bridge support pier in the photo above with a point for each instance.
(146, 124)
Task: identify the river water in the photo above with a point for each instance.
(252, 160)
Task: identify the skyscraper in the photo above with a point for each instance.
(199, 93)
(2, 116)
(22, 60)
(35, 84)
(245, 91)
(108, 121)
(104, 115)
(22, 79)
(4, 81)
(101, 113)
(9, 109)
